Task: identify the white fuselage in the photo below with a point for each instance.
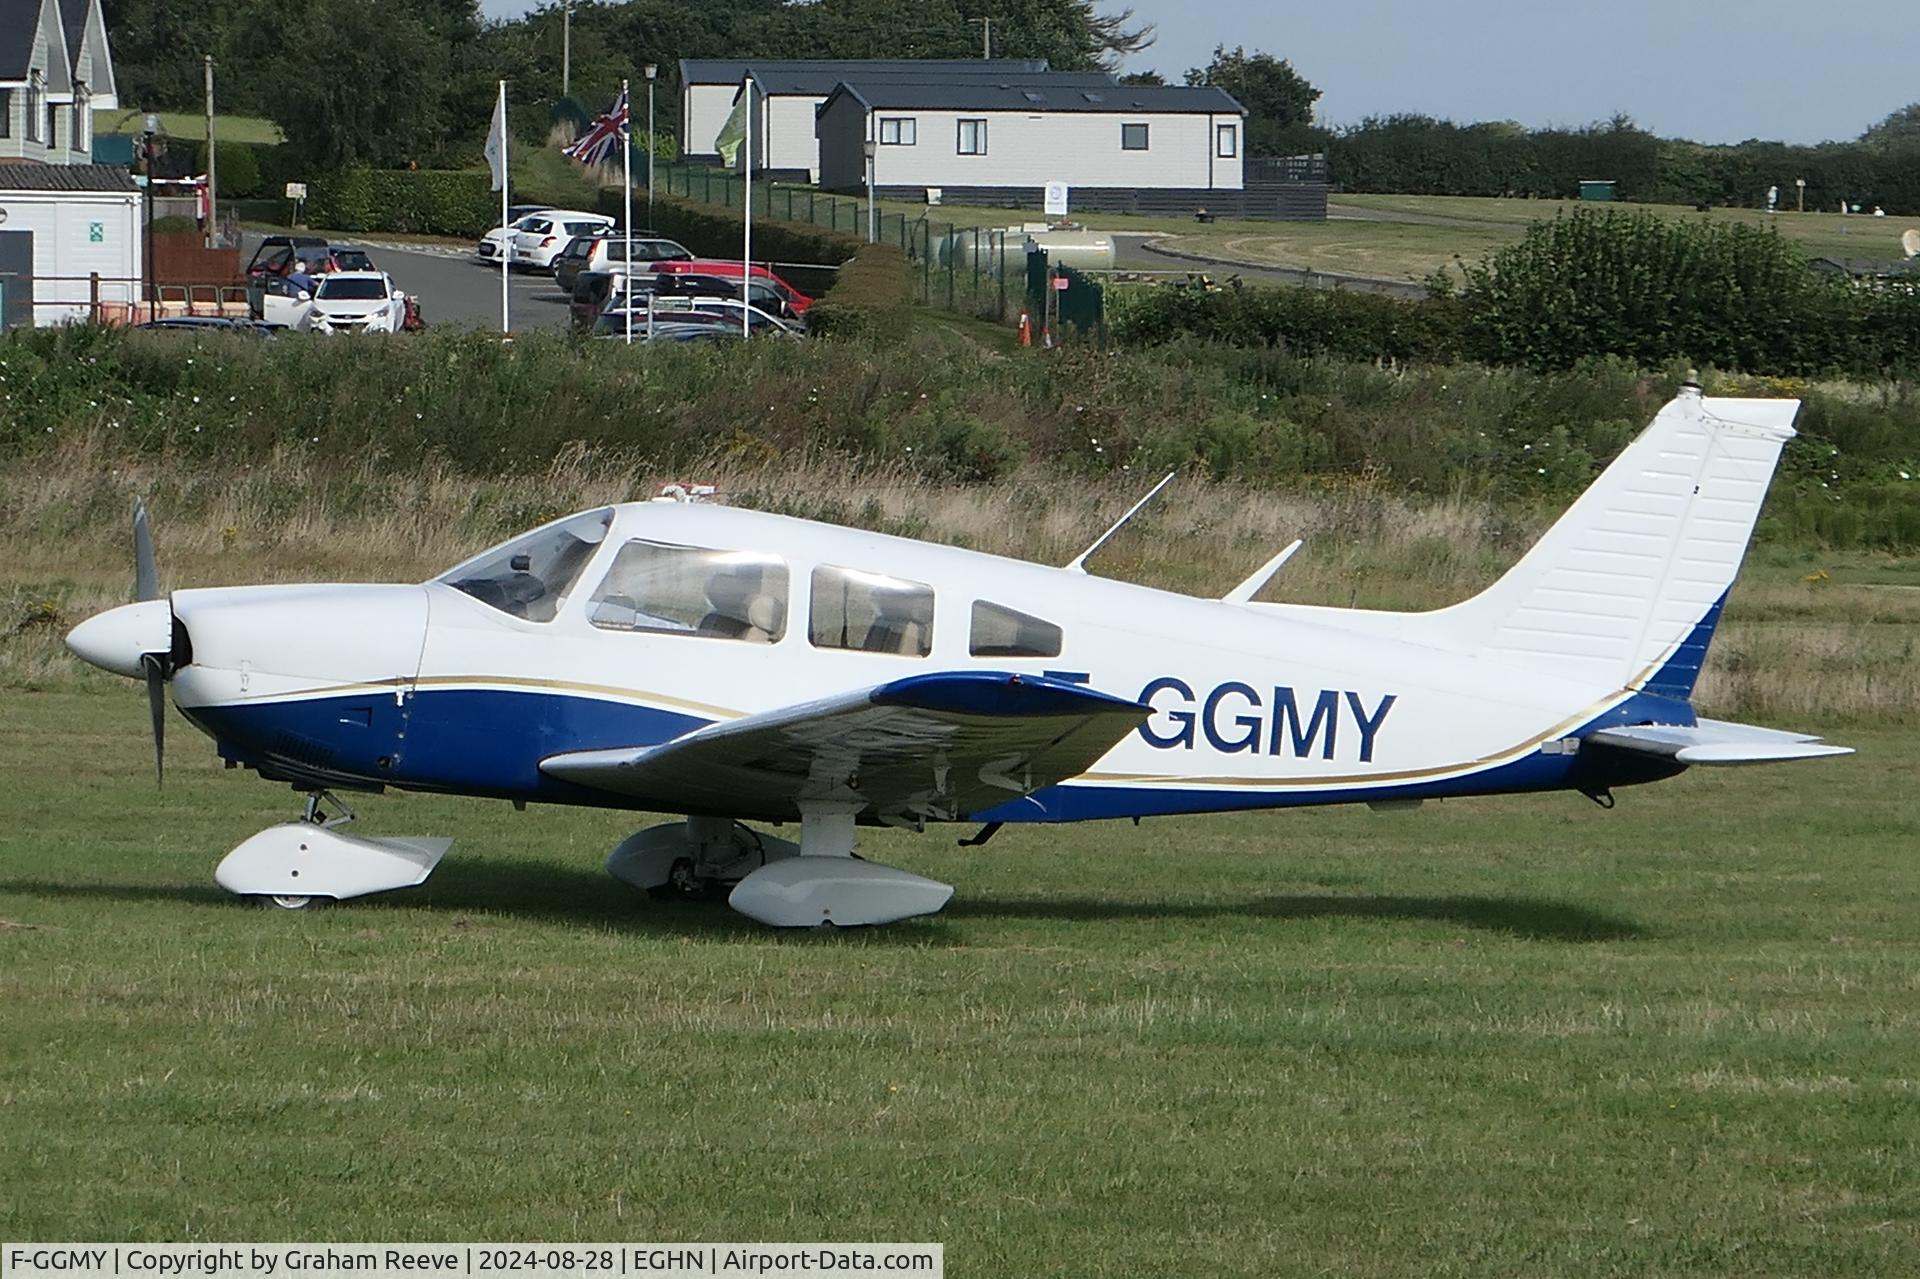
(1256, 705)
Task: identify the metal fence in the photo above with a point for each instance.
(959, 267)
(41, 300)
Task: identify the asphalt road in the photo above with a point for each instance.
(455, 289)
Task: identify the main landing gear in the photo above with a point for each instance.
(304, 864)
(818, 882)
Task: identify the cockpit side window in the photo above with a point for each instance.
(999, 631)
(871, 612)
(531, 576)
(691, 590)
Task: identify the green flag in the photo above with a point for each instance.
(734, 131)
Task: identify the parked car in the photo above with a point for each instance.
(760, 293)
(797, 302)
(493, 245)
(278, 253)
(347, 257)
(702, 310)
(608, 252)
(212, 324)
(676, 333)
(356, 302)
(279, 300)
(541, 238)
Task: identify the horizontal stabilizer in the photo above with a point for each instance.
(1713, 741)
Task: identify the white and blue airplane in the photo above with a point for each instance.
(732, 665)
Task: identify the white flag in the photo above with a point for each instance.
(497, 141)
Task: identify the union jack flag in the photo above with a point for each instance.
(601, 143)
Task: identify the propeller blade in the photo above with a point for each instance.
(156, 668)
(146, 575)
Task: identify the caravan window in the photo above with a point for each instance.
(898, 132)
(871, 612)
(999, 631)
(691, 590)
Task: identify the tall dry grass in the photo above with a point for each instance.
(1791, 649)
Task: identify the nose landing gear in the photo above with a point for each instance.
(304, 864)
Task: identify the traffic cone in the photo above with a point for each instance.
(1026, 330)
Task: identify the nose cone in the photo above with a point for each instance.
(116, 639)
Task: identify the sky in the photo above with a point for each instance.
(1709, 70)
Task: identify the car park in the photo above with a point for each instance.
(356, 302)
(540, 239)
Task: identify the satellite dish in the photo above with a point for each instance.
(1911, 242)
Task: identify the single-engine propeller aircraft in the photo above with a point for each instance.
(733, 665)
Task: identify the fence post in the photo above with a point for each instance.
(976, 269)
(951, 239)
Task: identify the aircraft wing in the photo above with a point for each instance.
(928, 746)
(1713, 741)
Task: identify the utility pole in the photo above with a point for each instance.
(213, 208)
(566, 49)
(986, 35)
(653, 70)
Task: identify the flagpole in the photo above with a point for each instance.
(626, 174)
(506, 247)
(746, 235)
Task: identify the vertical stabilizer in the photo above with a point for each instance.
(1625, 589)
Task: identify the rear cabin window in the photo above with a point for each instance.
(999, 631)
(691, 590)
(871, 612)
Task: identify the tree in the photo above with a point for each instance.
(1900, 127)
(1143, 77)
(1278, 99)
(353, 81)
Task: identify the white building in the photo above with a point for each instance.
(708, 86)
(61, 226)
(1020, 136)
(786, 140)
(55, 73)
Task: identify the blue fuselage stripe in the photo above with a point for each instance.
(490, 741)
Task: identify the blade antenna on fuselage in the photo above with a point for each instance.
(1245, 592)
(1079, 562)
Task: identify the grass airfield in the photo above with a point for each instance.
(1509, 1036)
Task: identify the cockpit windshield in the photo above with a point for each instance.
(532, 575)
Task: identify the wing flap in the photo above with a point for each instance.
(1713, 741)
(941, 745)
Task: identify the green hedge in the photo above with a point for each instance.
(1588, 285)
(426, 202)
(869, 298)
(1306, 322)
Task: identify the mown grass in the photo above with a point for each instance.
(1411, 237)
(1511, 1036)
(188, 124)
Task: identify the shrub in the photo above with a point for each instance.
(1308, 322)
(868, 299)
(426, 202)
(237, 170)
(1652, 289)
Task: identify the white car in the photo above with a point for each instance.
(356, 302)
(494, 243)
(538, 240)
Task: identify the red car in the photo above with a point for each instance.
(797, 302)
